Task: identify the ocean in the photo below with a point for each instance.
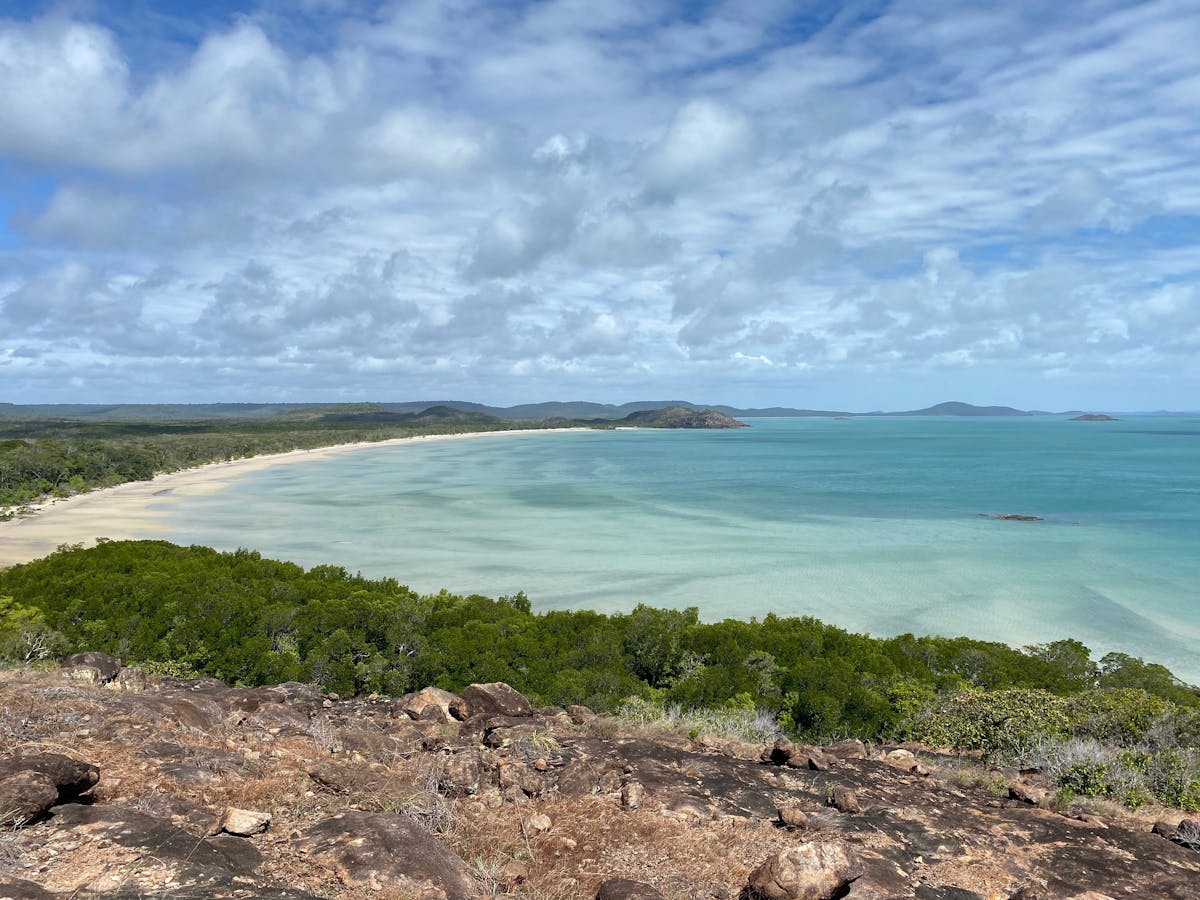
(879, 525)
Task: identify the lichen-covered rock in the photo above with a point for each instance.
(70, 777)
(25, 796)
(108, 666)
(379, 851)
(812, 871)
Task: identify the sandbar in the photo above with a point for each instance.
(140, 509)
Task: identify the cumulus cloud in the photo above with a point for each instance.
(513, 202)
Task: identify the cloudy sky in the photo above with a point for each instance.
(871, 205)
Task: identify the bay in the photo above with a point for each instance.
(873, 524)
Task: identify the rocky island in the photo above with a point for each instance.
(1094, 417)
(115, 783)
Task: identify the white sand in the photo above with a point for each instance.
(137, 509)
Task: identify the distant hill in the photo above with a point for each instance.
(1094, 417)
(381, 414)
(557, 410)
(956, 408)
(680, 417)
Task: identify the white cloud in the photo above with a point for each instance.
(513, 202)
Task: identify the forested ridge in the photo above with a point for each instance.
(249, 620)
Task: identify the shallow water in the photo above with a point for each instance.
(871, 524)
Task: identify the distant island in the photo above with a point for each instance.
(680, 417)
(1094, 417)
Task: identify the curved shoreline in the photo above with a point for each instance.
(133, 510)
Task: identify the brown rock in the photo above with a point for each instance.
(812, 871)
(25, 796)
(1029, 792)
(241, 822)
(849, 749)
(792, 816)
(70, 777)
(778, 753)
(461, 774)
(379, 852)
(538, 823)
(633, 795)
(108, 666)
(625, 889)
(493, 699)
(845, 800)
(414, 705)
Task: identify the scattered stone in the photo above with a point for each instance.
(811, 871)
(538, 823)
(844, 800)
(241, 822)
(633, 795)
(513, 874)
(899, 755)
(108, 666)
(381, 852)
(792, 816)
(626, 889)
(493, 699)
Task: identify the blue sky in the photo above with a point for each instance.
(877, 205)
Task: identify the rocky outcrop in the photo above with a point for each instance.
(191, 788)
(381, 851)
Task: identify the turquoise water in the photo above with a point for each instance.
(872, 524)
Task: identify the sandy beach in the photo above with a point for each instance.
(139, 509)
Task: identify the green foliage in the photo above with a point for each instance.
(249, 620)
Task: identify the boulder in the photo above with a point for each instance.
(626, 889)
(419, 705)
(130, 678)
(778, 753)
(25, 796)
(633, 795)
(240, 822)
(380, 851)
(848, 749)
(109, 667)
(493, 699)
(70, 777)
(792, 816)
(811, 871)
(538, 823)
(461, 774)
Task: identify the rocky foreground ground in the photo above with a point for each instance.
(115, 784)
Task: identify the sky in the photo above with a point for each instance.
(877, 205)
